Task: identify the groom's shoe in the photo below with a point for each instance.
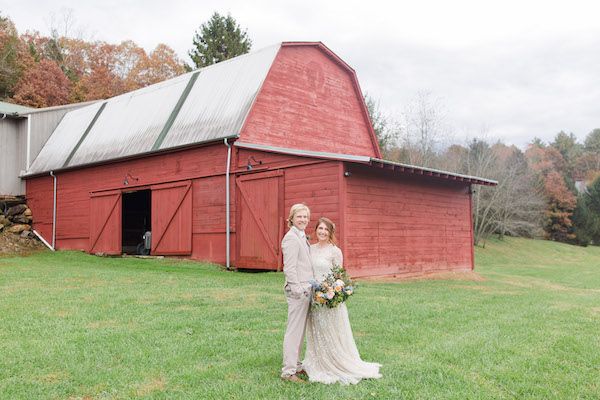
(293, 378)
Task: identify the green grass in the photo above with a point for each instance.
(74, 326)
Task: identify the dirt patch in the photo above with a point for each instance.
(153, 385)
(442, 276)
(14, 245)
(54, 377)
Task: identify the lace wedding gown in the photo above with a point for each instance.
(331, 353)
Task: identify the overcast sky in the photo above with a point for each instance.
(513, 69)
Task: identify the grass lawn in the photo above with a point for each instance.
(74, 326)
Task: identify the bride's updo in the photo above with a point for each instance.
(330, 227)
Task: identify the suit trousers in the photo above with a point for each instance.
(298, 308)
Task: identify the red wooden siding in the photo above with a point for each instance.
(208, 218)
(172, 219)
(40, 193)
(387, 223)
(74, 188)
(317, 186)
(105, 223)
(260, 223)
(309, 101)
(405, 226)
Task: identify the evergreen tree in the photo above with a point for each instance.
(219, 39)
(586, 217)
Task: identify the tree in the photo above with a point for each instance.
(423, 130)
(14, 57)
(43, 85)
(386, 135)
(589, 162)
(550, 167)
(161, 64)
(515, 206)
(586, 217)
(561, 203)
(219, 39)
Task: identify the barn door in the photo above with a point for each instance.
(172, 219)
(259, 226)
(105, 222)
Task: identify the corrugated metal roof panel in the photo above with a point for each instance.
(64, 138)
(221, 98)
(131, 122)
(13, 109)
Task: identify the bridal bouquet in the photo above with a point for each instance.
(334, 290)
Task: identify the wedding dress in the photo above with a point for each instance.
(331, 353)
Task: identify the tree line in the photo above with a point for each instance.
(549, 190)
(44, 71)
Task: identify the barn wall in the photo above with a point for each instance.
(39, 200)
(305, 180)
(317, 186)
(204, 166)
(13, 142)
(309, 102)
(406, 226)
(43, 124)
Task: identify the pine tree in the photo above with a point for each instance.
(219, 39)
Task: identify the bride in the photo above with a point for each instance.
(331, 353)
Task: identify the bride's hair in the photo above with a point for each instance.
(330, 227)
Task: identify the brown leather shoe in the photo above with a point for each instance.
(293, 378)
(301, 371)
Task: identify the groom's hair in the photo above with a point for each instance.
(294, 210)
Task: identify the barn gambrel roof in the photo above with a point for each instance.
(204, 105)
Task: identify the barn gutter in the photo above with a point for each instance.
(54, 212)
(227, 216)
(28, 156)
(48, 245)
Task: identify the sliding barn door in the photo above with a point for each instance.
(172, 219)
(259, 225)
(105, 223)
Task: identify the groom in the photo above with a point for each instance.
(298, 272)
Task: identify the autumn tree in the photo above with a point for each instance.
(43, 85)
(550, 165)
(161, 64)
(218, 39)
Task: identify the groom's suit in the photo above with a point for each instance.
(298, 271)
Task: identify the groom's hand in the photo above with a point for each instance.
(297, 290)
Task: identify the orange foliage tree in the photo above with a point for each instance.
(43, 85)
(549, 163)
(42, 69)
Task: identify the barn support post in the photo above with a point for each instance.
(227, 216)
(54, 212)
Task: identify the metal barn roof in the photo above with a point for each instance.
(373, 162)
(203, 105)
(13, 109)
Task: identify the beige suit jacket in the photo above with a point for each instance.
(297, 266)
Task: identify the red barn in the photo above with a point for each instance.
(212, 160)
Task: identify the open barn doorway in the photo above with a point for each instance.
(136, 222)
